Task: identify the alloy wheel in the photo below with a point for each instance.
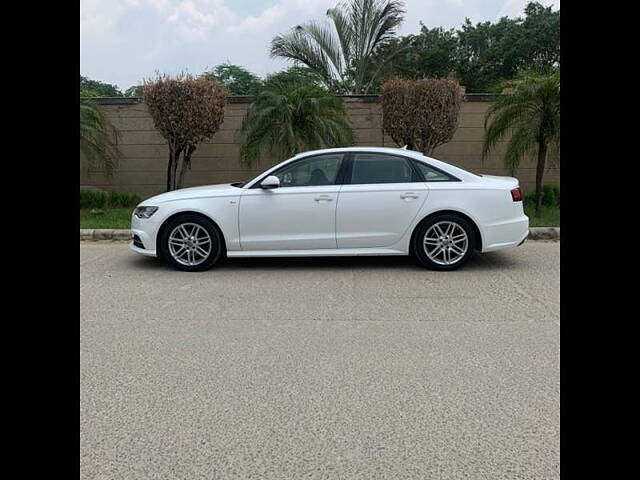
(190, 244)
(446, 243)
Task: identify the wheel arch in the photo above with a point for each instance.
(476, 230)
(163, 227)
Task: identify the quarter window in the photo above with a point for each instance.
(380, 168)
(431, 174)
(312, 171)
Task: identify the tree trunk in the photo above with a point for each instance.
(186, 163)
(170, 167)
(542, 158)
(174, 167)
(428, 151)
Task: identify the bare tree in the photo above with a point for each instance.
(422, 114)
(186, 110)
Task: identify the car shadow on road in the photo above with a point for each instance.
(487, 261)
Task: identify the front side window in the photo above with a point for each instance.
(312, 171)
(380, 168)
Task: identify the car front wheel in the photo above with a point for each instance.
(444, 242)
(191, 243)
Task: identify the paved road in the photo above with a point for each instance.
(320, 369)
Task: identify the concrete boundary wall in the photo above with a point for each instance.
(145, 153)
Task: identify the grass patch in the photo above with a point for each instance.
(111, 218)
(550, 216)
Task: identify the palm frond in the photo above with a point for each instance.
(533, 104)
(98, 140)
(344, 31)
(285, 119)
(501, 119)
(529, 114)
(384, 19)
(342, 55)
(298, 46)
(330, 46)
(520, 144)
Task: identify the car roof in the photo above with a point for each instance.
(395, 150)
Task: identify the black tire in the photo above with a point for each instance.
(419, 247)
(217, 243)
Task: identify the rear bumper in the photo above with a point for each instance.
(507, 234)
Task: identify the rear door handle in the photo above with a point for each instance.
(409, 195)
(323, 198)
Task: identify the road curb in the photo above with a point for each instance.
(104, 234)
(544, 233)
(90, 234)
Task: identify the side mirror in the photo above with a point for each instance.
(270, 182)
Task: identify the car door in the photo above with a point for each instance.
(298, 215)
(381, 196)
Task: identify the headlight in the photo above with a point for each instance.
(144, 212)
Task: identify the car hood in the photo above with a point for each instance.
(204, 191)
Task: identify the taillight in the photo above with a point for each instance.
(516, 194)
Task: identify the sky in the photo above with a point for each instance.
(123, 42)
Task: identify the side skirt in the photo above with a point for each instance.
(317, 252)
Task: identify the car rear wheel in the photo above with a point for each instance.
(444, 242)
(191, 243)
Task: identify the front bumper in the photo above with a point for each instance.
(143, 251)
(145, 230)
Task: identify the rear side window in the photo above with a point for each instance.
(431, 174)
(380, 168)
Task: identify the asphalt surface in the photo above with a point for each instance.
(368, 368)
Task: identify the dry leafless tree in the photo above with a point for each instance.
(421, 114)
(186, 110)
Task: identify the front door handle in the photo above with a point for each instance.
(409, 195)
(323, 198)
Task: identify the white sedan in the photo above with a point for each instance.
(337, 202)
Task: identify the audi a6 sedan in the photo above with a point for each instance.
(337, 202)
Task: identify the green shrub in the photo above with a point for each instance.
(93, 199)
(550, 196)
(123, 199)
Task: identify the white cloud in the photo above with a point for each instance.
(269, 17)
(195, 20)
(123, 41)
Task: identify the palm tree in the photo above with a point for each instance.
(340, 53)
(287, 118)
(530, 113)
(97, 140)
